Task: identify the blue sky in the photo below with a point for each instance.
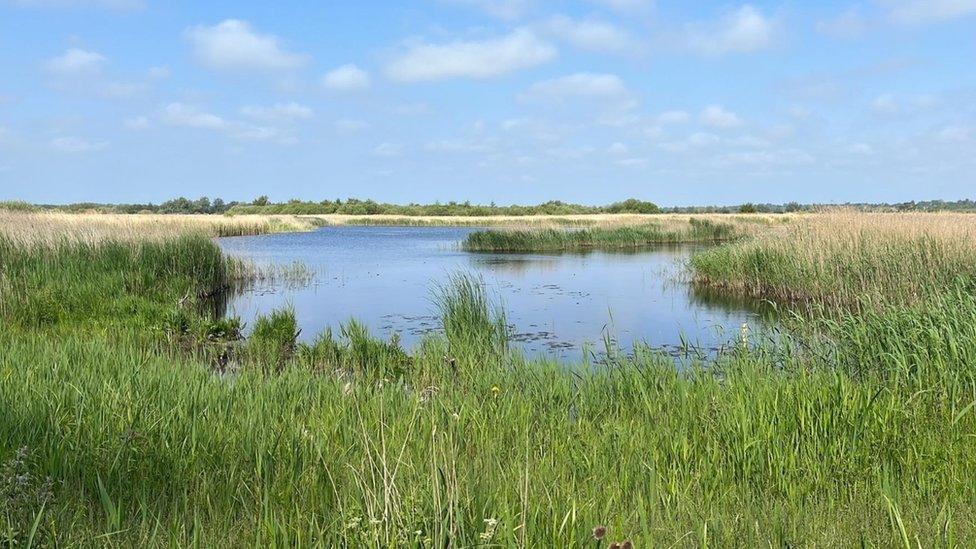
(512, 101)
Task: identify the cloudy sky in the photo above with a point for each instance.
(520, 101)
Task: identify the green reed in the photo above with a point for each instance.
(605, 238)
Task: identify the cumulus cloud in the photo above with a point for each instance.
(136, 123)
(180, 114)
(581, 84)
(471, 59)
(279, 112)
(233, 45)
(76, 62)
(77, 145)
(591, 35)
(744, 30)
(716, 116)
(925, 11)
(346, 78)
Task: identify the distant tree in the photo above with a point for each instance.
(218, 206)
(747, 208)
(793, 207)
(633, 205)
(260, 201)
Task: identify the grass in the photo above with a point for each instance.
(854, 429)
(693, 229)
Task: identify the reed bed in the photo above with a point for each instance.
(617, 236)
(144, 422)
(845, 258)
(25, 228)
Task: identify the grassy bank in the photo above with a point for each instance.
(674, 230)
(144, 422)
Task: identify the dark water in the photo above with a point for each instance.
(556, 304)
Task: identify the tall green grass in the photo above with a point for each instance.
(857, 429)
(606, 238)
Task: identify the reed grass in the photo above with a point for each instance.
(692, 230)
(855, 429)
(26, 228)
(841, 259)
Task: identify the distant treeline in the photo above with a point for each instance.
(353, 206)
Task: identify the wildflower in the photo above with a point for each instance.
(614, 545)
(627, 544)
(599, 532)
(495, 390)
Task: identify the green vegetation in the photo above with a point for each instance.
(136, 420)
(604, 238)
(847, 259)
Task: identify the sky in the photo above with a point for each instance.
(511, 101)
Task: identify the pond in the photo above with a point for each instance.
(561, 305)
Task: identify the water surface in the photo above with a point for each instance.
(557, 304)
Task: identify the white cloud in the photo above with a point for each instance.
(861, 149)
(674, 117)
(581, 84)
(472, 59)
(924, 11)
(744, 30)
(180, 114)
(234, 45)
(136, 123)
(592, 35)
(716, 116)
(77, 145)
(618, 148)
(279, 112)
(388, 149)
(76, 62)
(346, 78)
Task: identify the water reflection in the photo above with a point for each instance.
(557, 303)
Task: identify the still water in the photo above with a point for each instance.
(562, 305)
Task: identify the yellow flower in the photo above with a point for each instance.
(495, 390)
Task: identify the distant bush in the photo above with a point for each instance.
(18, 206)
